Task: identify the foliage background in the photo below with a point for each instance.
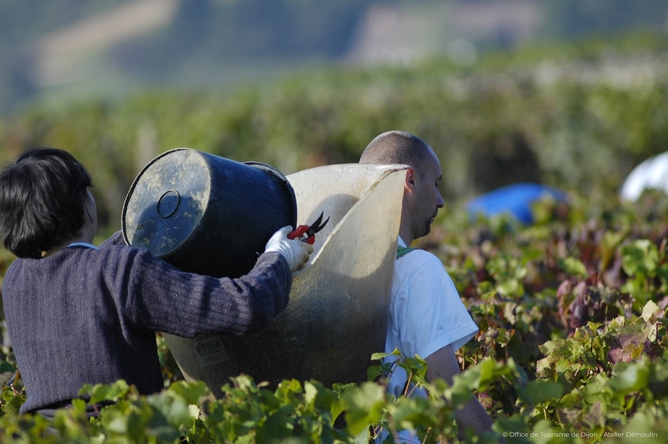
(571, 309)
(576, 116)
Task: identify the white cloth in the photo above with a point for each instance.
(426, 314)
(650, 174)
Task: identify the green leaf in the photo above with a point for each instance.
(542, 391)
(105, 392)
(379, 356)
(278, 425)
(192, 392)
(509, 287)
(416, 367)
(631, 377)
(414, 412)
(173, 408)
(11, 403)
(574, 266)
(115, 421)
(596, 391)
(79, 405)
(6, 366)
(374, 371)
(649, 310)
(363, 406)
(641, 256)
(310, 393)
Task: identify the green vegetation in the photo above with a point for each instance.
(572, 348)
(572, 310)
(569, 117)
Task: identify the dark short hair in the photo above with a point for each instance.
(42, 201)
(398, 147)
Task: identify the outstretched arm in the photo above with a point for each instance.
(443, 364)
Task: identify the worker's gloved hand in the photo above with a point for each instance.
(295, 251)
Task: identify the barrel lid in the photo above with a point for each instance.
(166, 201)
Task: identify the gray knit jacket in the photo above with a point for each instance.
(88, 315)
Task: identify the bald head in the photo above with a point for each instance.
(422, 197)
(398, 147)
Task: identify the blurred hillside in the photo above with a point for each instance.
(65, 49)
(571, 94)
(575, 116)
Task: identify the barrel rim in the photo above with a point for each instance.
(134, 184)
(282, 180)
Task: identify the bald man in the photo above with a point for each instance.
(427, 317)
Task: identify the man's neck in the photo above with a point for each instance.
(405, 235)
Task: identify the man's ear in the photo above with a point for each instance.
(409, 184)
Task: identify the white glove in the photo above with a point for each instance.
(294, 251)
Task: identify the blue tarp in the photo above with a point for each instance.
(513, 199)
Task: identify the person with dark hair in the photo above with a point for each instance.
(426, 316)
(77, 314)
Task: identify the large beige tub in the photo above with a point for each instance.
(337, 315)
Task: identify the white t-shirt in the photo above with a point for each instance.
(426, 313)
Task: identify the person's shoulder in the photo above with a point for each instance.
(418, 254)
(418, 259)
(116, 250)
(115, 239)
(116, 245)
(15, 265)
